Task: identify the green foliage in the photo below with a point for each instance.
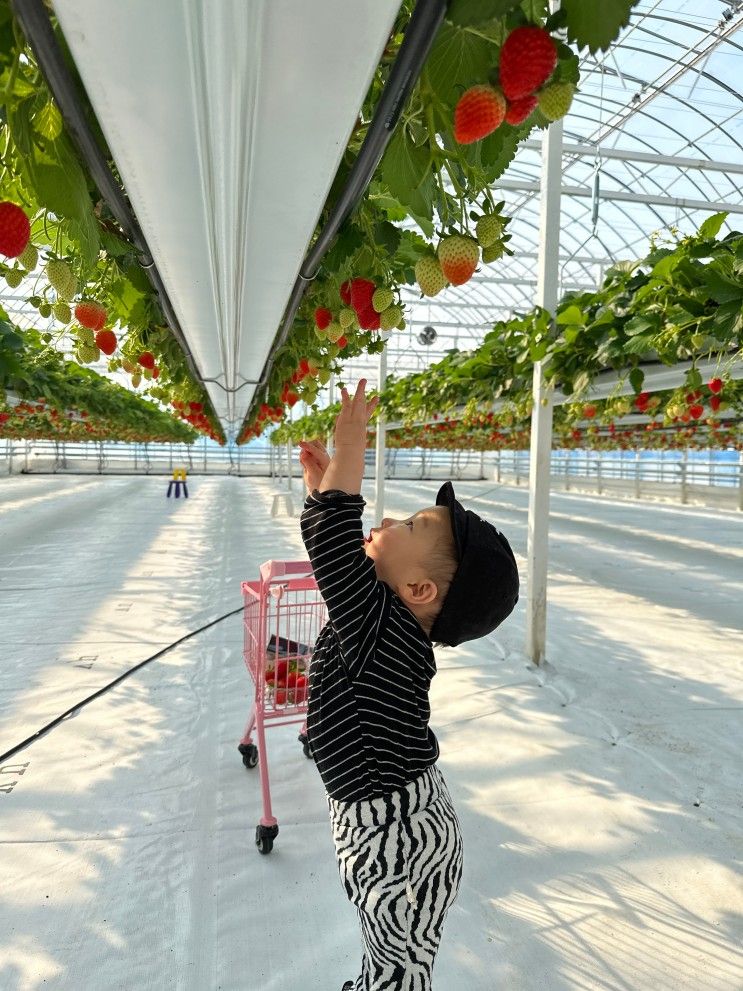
(31, 370)
(680, 303)
(595, 25)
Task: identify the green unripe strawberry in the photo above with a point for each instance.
(136, 379)
(347, 318)
(334, 332)
(431, 280)
(402, 325)
(554, 101)
(62, 278)
(88, 353)
(492, 253)
(319, 334)
(381, 299)
(14, 277)
(390, 318)
(45, 310)
(323, 376)
(85, 336)
(62, 311)
(488, 230)
(333, 350)
(148, 373)
(29, 257)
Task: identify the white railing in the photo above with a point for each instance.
(683, 478)
(638, 474)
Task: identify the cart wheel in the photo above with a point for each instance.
(250, 754)
(264, 837)
(305, 746)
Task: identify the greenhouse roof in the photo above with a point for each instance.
(659, 119)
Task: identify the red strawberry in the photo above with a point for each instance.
(479, 111)
(346, 292)
(105, 340)
(589, 411)
(197, 407)
(715, 385)
(323, 317)
(527, 59)
(696, 410)
(155, 373)
(714, 403)
(519, 110)
(642, 400)
(15, 230)
(146, 359)
(4, 417)
(369, 319)
(91, 314)
(343, 342)
(291, 397)
(362, 291)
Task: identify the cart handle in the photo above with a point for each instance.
(275, 569)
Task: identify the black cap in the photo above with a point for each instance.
(485, 587)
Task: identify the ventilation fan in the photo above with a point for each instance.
(428, 335)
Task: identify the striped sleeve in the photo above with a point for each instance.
(358, 604)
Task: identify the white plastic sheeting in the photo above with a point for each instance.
(227, 122)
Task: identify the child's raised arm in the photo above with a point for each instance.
(346, 468)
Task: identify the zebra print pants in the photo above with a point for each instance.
(400, 861)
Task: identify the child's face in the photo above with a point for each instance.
(400, 548)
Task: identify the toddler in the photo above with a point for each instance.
(442, 576)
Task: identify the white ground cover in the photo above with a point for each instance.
(599, 795)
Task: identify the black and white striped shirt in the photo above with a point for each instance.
(368, 708)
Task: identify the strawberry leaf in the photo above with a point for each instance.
(711, 226)
(596, 25)
(458, 59)
(465, 13)
(407, 173)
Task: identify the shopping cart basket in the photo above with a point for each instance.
(284, 613)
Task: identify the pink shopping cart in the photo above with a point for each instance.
(284, 613)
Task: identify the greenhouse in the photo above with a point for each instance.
(371, 495)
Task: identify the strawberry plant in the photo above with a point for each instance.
(683, 301)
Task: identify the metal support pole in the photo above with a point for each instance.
(598, 477)
(637, 473)
(498, 467)
(381, 441)
(740, 483)
(548, 274)
(684, 465)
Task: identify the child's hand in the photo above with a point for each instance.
(350, 424)
(314, 460)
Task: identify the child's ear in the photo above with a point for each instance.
(421, 593)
